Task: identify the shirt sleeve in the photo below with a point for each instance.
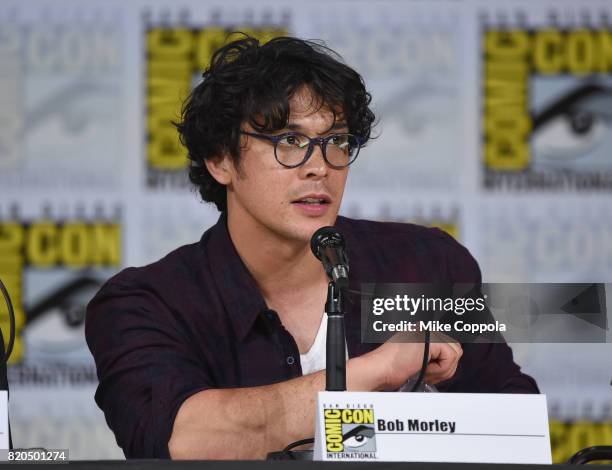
(146, 364)
(484, 367)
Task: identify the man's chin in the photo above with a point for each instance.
(307, 228)
(300, 226)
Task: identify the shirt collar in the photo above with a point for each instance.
(238, 290)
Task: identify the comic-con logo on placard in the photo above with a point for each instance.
(176, 56)
(547, 103)
(52, 267)
(349, 433)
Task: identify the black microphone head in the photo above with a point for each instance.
(327, 244)
(323, 237)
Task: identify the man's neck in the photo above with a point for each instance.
(277, 264)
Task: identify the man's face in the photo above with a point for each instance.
(264, 195)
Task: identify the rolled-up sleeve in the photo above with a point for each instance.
(146, 364)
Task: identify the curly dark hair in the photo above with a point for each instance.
(251, 82)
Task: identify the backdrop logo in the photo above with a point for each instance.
(60, 87)
(547, 107)
(441, 216)
(349, 432)
(57, 258)
(411, 62)
(176, 56)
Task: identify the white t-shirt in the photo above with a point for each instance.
(315, 359)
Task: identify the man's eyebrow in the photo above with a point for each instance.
(294, 126)
(339, 125)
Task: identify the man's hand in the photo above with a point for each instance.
(444, 355)
(399, 359)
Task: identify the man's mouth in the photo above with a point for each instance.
(314, 200)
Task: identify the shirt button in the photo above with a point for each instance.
(270, 315)
(290, 360)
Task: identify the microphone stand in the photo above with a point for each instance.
(335, 355)
(335, 368)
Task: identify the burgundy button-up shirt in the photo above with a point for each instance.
(196, 320)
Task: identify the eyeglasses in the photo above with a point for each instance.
(293, 149)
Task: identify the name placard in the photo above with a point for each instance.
(432, 427)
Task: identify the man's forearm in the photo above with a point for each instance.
(247, 423)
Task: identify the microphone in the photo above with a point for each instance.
(327, 244)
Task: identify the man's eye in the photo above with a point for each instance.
(340, 141)
(294, 141)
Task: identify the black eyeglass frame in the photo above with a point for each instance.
(320, 141)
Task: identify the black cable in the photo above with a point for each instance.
(421, 376)
(11, 313)
(301, 442)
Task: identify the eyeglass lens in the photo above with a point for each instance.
(340, 149)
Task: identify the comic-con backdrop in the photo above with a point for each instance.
(495, 125)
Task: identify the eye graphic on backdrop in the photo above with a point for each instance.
(358, 436)
(419, 107)
(55, 322)
(75, 105)
(574, 124)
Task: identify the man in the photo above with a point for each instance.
(199, 355)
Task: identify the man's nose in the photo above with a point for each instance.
(316, 166)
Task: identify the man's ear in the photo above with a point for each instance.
(221, 169)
